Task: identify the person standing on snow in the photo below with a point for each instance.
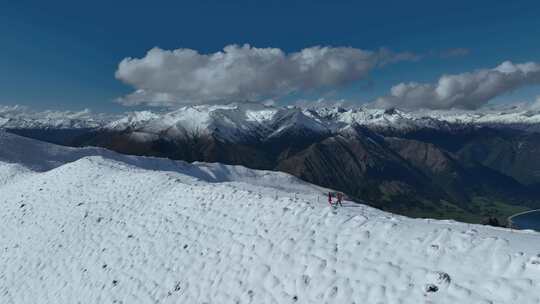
(330, 198)
(339, 198)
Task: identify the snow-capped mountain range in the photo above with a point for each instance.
(237, 121)
(90, 225)
(20, 117)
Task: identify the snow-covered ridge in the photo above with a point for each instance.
(40, 156)
(89, 225)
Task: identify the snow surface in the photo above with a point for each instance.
(92, 226)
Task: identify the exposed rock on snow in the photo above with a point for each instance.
(89, 225)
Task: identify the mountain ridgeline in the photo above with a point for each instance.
(462, 166)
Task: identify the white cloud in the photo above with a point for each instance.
(166, 78)
(535, 105)
(464, 91)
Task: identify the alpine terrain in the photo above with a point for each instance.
(473, 166)
(90, 225)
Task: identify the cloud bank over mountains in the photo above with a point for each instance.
(470, 90)
(172, 78)
(185, 76)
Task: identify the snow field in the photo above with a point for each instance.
(102, 230)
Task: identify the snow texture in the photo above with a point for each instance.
(92, 226)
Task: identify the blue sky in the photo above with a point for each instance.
(64, 54)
